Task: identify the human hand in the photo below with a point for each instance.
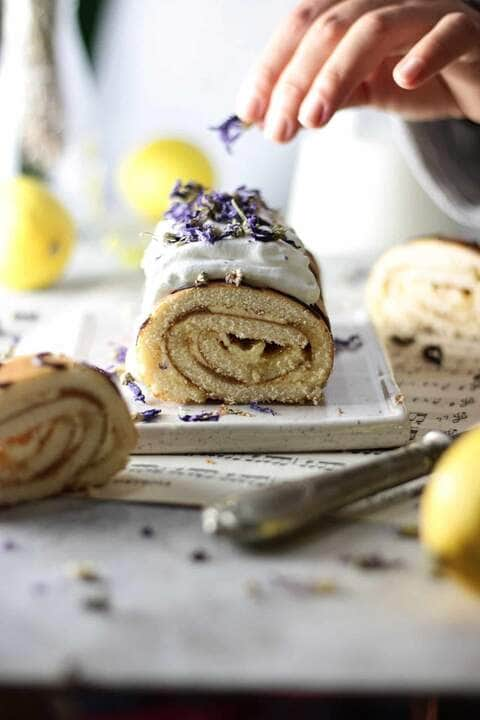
(419, 58)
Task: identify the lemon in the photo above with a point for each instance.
(36, 235)
(147, 176)
(450, 510)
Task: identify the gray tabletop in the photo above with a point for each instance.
(172, 608)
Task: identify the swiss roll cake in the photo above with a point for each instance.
(63, 425)
(232, 307)
(427, 285)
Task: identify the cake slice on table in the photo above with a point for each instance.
(428, 285)
(232, 307)
(63, 425)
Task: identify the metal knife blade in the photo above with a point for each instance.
(271, 513)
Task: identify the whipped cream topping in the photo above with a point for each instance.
(278, 265)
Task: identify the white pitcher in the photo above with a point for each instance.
(352, 191)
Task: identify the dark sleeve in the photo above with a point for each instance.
(445, 157)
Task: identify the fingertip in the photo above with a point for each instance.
(314, 116)
(409, 72)
(402, 81)
(251, 107)
(279, 128)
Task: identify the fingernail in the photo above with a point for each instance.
(251, 108)
(312, 115)
(410, 69)
(279, 128)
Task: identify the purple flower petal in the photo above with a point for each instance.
(201, 216)
(147, 415)
(351, 343)
(136, 391)
(201, 417)
(262, 408)
(230, 130)
(121, 354)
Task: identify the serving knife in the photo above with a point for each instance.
(270, 513)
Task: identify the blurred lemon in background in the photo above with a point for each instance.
(36, 235)
(147, 175)
(450, 510)
(129, 253)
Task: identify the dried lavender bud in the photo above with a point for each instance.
(371, 561)
(433, 354)
(146, 416)
(186, 191)
(147, 531)
(195, 212)
(201, 417)
(233, 229)
(136, 391)
(199, 555)
(9, 545)
(121, 354)
(262, 408)
(230, 130)
(352, 343)
(97, 603)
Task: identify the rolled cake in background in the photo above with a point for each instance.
(63, 425)
(427, 285)
(232, 309)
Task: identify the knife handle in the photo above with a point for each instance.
(270, 513)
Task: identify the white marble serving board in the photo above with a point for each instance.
(363, 407)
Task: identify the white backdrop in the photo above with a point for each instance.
(171, 67)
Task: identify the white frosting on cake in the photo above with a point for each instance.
(277, 265)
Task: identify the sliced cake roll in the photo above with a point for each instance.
(232, 309)
(62, 425)
(429, 285)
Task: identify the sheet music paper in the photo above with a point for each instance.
(442, 396)
(439, 397)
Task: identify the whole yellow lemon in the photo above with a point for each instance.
(147, 176)
(450, 510)
(36, 235)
